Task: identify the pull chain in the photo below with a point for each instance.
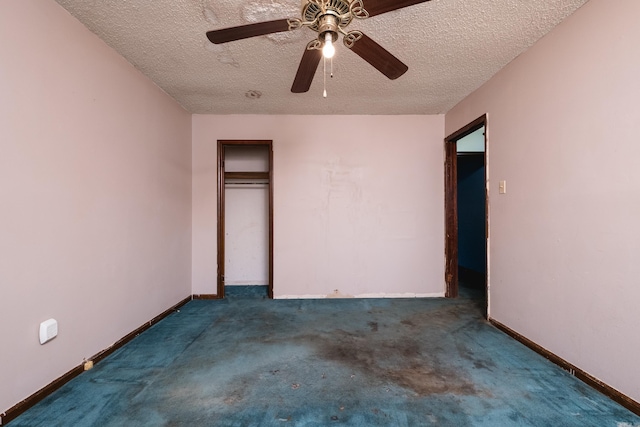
(324, 76)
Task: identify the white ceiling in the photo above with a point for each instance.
(451, 47)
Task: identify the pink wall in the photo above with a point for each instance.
(97, 209)
(358, 202)
(95, 184)
(563, 131)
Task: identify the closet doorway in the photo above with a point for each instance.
(245, 214)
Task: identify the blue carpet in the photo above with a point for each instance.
(246, 292)
(256, 362)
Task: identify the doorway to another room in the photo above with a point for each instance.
(245, 218)
(467, 212)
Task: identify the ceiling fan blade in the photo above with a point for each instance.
(250, 30)
(375, 55)
(377, 7)
(307, 69)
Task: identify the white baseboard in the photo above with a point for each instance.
(380, 295)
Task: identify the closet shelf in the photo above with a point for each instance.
(246, 175)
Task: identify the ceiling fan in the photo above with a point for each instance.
(329, 18)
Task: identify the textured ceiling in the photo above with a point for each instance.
(451, 47)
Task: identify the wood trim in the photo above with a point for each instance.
(470, 128)
(254, 142)
(470, 153)
(451, 220)
(131, 335)
(270, 287)
(246, 175)
(582, 375)
(206, 296)
(486, 222)
(220, 214)
(22, 406)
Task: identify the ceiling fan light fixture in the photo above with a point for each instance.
(328, 50)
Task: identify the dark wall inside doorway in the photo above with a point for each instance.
(471, 212)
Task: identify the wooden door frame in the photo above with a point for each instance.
(222, 143)
(451, 203)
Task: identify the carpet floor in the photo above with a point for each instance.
(250, 361)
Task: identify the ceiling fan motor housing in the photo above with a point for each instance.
(328, 25)
(339, 9)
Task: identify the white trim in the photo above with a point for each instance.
(299, 297)
(371, 296)
(406, 295)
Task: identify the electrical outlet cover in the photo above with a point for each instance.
(48, 330)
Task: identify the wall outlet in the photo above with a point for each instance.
(48, 330)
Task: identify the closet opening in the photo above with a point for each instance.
(245, 217)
